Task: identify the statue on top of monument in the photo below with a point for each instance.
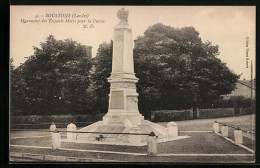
(122, 14)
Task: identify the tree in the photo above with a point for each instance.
(102, 70)
(55, 79)
(14, 88)
(175, 68)
(187, 71)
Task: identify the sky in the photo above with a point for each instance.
(229, 27)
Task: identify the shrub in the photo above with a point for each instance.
(216, 112)
(170, 115)
(245, 111)
(37, 119)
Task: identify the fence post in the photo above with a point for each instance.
(152, 145)
(234, 112)
(240, 111)
(172, 129)
(53, 126)
(224, 130)
(191, 113)
(70, 135)
(216, 127)
(152, 115)
(56, 139)
(198, 112)
(238, 136)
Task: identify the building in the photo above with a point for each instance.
(243, 88)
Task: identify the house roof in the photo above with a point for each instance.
(247, 83)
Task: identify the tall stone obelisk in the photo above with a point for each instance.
(123, 98)
(123, 115)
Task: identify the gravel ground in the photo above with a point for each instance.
(248, 139)
(198, 143)
(96, 157)
(246, 122)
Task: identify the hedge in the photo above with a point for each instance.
(170, 115)
(245, 111)
(216, 112)
(178, 115)
(156, 116)
(39, 121)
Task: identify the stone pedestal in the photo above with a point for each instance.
(152, 146)
(123, 98)
(56, 140)
(123, 104)
(172, 129)
(224, 130)
(52, 127)
(238, 136)
(71, 135)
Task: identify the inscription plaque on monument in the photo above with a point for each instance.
(117, 100)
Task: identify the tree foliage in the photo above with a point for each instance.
(53, 80)
(181, 70)
(176, 70)
(102, 69)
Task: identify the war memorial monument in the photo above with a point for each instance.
(123, 115)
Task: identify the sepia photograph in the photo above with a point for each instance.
(132, 84)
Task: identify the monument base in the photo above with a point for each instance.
(115, 138)
(119, 118)
(104, 142)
